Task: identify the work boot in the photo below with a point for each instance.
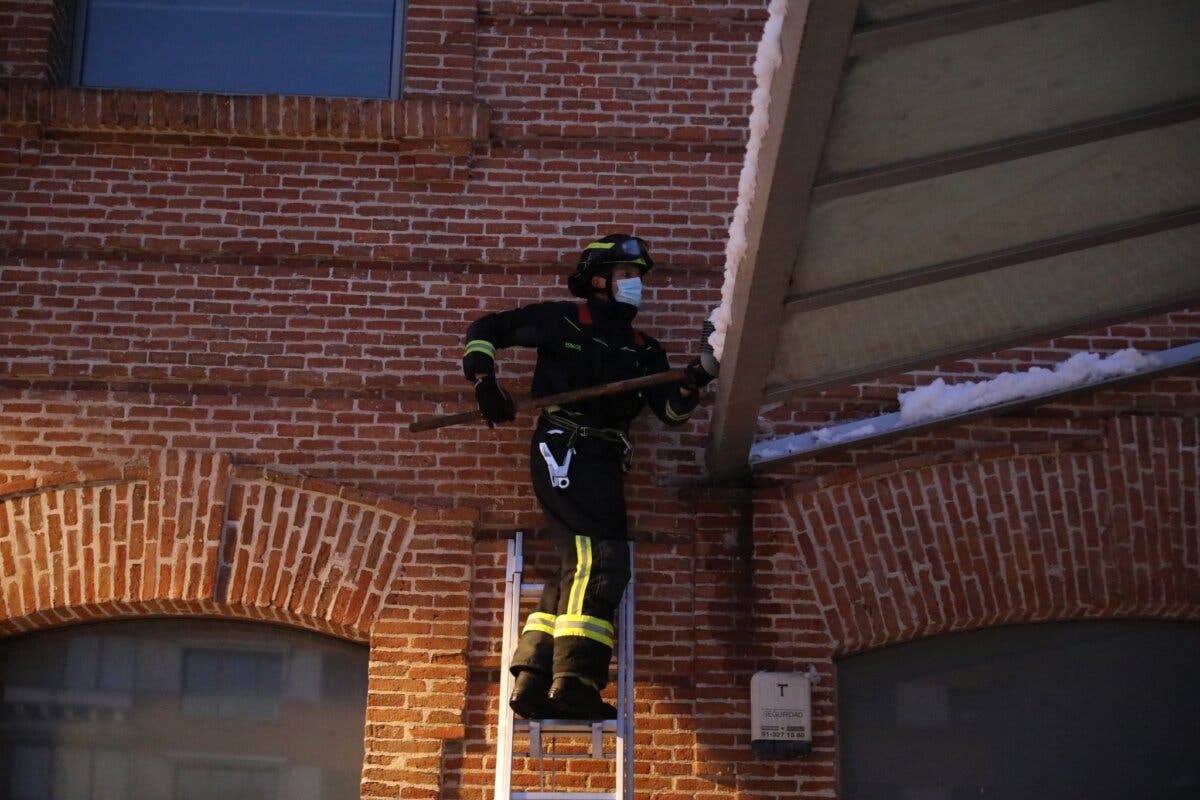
(528, 697)
(574, 699)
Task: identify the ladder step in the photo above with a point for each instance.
(535, 755)
(564, 796)
(557, 726)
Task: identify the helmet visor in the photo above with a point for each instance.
(632, 250)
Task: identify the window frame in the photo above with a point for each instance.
(395, 79)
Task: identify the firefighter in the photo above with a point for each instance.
(578, 454)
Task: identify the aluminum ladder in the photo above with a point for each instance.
(539, 734)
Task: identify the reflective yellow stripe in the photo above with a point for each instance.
(588, 627)
(596, 637)
(538, 621)
(583, 571)
(609, 246)
(481, 346)
(674, 417)
(602, 625)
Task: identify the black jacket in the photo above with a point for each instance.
(579, 346)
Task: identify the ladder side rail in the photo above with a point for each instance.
(625, 672)
(512, 618)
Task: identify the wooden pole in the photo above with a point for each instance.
(563, 398)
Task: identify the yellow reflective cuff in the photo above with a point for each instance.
(588, 627)
(542, 623)
(601, 625)
(481, 346)
(675, 417)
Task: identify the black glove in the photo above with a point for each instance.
(696, 376)
(704, 368)
(494, 403)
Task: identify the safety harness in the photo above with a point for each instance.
(561, 421)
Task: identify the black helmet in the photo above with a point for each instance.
(616, 248)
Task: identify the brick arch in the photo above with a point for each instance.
(1087, 527)
(64, 616)
(190, 530)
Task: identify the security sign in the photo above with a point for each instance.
(780, 714)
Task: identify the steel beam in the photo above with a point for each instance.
(914, 28)
(801, 105)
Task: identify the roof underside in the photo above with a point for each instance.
(950, 179)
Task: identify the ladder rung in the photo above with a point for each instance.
(565, 756)
(556, 726)
(564, 796)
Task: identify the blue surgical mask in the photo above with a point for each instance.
(629, 291)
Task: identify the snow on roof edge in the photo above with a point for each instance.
(938, 402)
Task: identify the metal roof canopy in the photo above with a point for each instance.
(948, 179)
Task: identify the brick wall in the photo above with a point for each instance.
(218, 316)
(27, 32)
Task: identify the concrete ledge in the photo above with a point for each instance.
(260, 116)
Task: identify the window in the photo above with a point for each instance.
(83, 663)
(178, 709)
(348, 48)
(232, 683)
(342, 681)
(39, 771)
(229, 782)
(99, 662)
(1083, 709)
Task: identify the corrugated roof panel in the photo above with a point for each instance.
(887, 231)
(999, 82)
(901, 330)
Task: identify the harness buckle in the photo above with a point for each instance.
(558, 472)
(611, 435)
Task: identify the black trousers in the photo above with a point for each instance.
(571, 632)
